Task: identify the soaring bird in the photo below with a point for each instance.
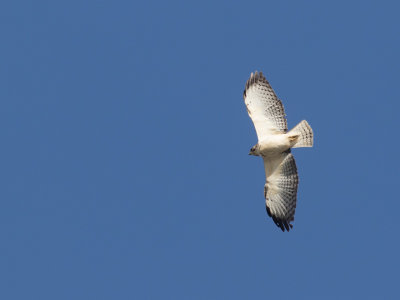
(274, 146)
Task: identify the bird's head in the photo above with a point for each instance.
(253, 151)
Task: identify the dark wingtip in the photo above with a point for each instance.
(282, 224)
(254, 78)
(268, 211)
(286, 226)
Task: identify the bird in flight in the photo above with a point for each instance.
(274, 146)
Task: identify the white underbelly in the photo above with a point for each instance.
(274, 144)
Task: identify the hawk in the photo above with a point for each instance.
(274, 146)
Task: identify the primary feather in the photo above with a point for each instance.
(264, 107)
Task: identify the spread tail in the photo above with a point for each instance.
(301, 135)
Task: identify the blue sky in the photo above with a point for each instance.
(125, 170)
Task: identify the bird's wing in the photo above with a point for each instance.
(264, 107)
(280, 189)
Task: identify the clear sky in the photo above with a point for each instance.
(124, 150)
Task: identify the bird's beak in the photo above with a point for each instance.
(249, 153)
